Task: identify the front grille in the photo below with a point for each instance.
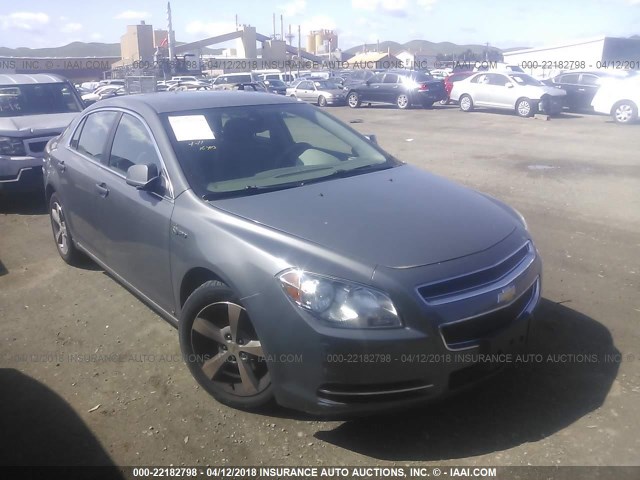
(458, 333)
(437, 290)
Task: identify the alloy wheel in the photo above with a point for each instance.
(59, 228)
(402, 101)
(624, 113)
(228, 350)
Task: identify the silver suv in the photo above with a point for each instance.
(33, 109)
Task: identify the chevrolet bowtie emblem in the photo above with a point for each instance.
(507, 294)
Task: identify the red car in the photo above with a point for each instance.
(448, 84)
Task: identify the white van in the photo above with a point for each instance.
(284, 77)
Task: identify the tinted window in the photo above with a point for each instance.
(571, 78)
(76, 134)
(377, 78)
(132, 145)
(590, 80)
(495, 79)
(95, 132)
(391, 78)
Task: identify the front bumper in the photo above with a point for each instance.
(20, 174)
(336, 100)
(331, 371)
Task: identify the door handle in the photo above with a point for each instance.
(581, 90)
(103, 191)
(61, 166)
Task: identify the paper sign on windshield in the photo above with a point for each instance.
(191, 127)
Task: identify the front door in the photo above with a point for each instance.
(137, 222)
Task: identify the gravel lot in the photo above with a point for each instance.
(575, 178)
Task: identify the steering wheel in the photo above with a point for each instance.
(292, 152)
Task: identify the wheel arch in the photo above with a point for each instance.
(194, 278)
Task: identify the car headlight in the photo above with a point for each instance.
(339, 302)
(12, 147)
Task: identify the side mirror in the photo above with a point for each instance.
(508, 85)
(142, 176)
(372, 138)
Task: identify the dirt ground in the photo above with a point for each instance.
(90, 375)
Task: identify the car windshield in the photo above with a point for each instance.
(276, 83)
(37, 99)
(524, 79)
(253, 149)
(326, 85)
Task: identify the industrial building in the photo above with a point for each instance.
(596, 53)
(322, 42)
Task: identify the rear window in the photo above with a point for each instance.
(37, 99)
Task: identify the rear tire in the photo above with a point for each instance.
(222, 349)
(624, 112)
(61, 233)
(445, 101)
(402, 101)
(322, 102)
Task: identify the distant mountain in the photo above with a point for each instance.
(420, 46)
(75, 49)
(79, 49)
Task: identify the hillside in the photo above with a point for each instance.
(78, 49)
(421, 46)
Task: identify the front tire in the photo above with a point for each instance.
(624, 112)
(353, 100)
(222, 349)
(466, 103)
(524, 108)
(445, 101)
(61, 232)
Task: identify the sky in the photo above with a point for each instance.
(501, 23)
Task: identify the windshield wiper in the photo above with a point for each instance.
(250, 190)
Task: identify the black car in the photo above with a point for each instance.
(398, 88)
(275, 86)
(581, 87)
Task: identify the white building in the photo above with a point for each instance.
(592, 54)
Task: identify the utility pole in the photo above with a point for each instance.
(170, 28)
(299, 48)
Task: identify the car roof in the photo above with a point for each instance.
(24, 79)
(165, 102)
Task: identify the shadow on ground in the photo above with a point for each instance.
(22, 203)
(39, 428)
(524, 404)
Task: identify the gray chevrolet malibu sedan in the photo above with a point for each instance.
(300, 262)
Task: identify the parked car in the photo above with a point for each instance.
(619, 98)
(499, 67)
(511, 91)
(33, 109)
(103, 92)
(401, 88)
(275, 86)
(241, 218)
(581, 86)
(320, 92)
(231, 79)
(448, 84)
(287, 78)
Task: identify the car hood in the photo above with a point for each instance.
(399, 218)
(34, 125)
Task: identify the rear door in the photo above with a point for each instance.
(137, 223)
(79, 176)
(370, 90)
(390, 88)
(588, 86)
(501, 92)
